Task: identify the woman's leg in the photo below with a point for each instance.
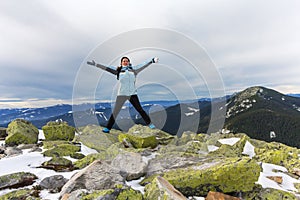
(119, 103)
(134, 100)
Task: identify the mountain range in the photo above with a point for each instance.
(260, 112)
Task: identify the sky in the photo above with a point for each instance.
(44, 46)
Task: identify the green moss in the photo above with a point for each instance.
(275, 153)
(18, 194)
(109, 154)
(62, 150)
(58, 161)
(129, 193)
(53, 143)
(223, 176)
(96, 194)
(267, 194)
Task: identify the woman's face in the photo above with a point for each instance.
(125, 62)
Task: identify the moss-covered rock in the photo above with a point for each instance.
(93, 137)
(223, 176)
(259, 193)
(62, 150)
(58, 164)
(139, 141)
(16, 180)
(58, 131)
(108, 154)
(25, 194)
(162, 189)
(21, 131)
(3, 133)
(53, 143)
(275, 153)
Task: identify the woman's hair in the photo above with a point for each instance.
(124, 58)
(120, 67)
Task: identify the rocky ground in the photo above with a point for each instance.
(143, 164)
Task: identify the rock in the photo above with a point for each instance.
(219, 196)
(21, 194)
(277, 179)
(58, 164)
(97, 176)
(268, 193)
(21, 131)
(53, 183)
(93, 137)
(3, 133)
(12, 151)
(16, 180)
(130, 164)
(296, 171)
(275, 153)
(119, 193)
(62, 150)
(107, 155)
(162, 189)
(222, 175)
(58, 131)
(139, 140)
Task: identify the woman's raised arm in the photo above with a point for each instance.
(108, 69)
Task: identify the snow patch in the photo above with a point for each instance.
(249, 149)
(229, 141)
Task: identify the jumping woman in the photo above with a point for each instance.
(126, 74)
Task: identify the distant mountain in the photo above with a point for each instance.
(265, 114)
(259, 112)
(294, 95)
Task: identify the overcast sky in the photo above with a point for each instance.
(45, 44)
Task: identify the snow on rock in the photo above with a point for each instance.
(229, 141)
(268, 170)
(249, 149)
(212, 148)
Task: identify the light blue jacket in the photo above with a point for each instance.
(127, 76)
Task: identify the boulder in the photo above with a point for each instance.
(21, 131)
(97, 176)
(62, 150)
(93, 137)
(3, 133)
(21, 194)
(58, 131)
(160, 188)
(58, 164)
(53, 183)
(268, 193)
(222, 175)
(16, 180)
(130, 165)
(118, 193)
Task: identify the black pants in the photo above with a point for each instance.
(134, 100)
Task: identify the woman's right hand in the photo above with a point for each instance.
(91, 62)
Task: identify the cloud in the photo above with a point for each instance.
(43, 43)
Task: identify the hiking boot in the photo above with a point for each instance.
(152, 126)
(105, 130)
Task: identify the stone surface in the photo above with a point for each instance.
(160, 188)
(21, 131)
(224, 175)
(130, 164)
(219, 196)
(53, 183)
(58, 131)
(97, 176)
(16, 180)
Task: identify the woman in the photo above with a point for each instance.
(126, 74)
